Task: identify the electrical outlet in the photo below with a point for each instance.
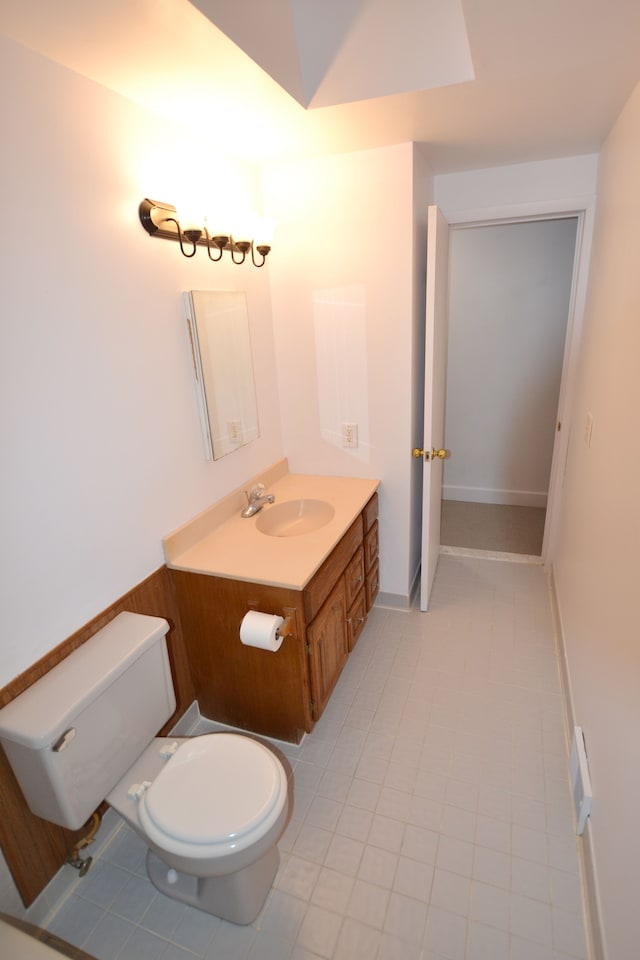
(350, 435)
(234, 428)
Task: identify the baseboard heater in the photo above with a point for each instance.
(580, 780)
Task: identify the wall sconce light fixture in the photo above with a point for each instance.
(161, 220)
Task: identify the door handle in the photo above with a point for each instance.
(440, 454)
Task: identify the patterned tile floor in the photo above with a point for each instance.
(432, 812)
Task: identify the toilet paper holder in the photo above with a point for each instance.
(285, 627)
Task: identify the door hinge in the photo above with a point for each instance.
(307, 647)
(313, 708)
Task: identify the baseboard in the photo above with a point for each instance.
(514, 498)
(393, 601)
(489, 555)
(585, 842)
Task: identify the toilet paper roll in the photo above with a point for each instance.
(261, 630)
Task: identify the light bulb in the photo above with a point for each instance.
(190, 217)
(264, 229)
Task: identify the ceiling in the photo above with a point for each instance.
(478, 82)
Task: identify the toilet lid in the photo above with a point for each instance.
(214, 788)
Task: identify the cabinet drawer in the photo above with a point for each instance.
(372, 584)
(319, 588)
(371, 547)
(356, 618)
(354, 576)
(370, 512)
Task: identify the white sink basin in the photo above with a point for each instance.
(292, 518)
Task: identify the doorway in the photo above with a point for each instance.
(509, 303)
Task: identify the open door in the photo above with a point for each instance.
(435, 374)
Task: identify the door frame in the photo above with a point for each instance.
(584, 209)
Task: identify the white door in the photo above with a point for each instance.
(435, 367)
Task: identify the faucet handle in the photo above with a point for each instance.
(256, 491)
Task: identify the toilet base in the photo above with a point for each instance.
(237, 897)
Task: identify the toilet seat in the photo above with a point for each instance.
(218, 794)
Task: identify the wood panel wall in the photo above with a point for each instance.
(35, 849)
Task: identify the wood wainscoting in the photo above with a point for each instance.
(33, 848)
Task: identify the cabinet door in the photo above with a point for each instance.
(372, 584)
(356, 618)
(328, 650)
(354, 576)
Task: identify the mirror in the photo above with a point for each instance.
(219, 331)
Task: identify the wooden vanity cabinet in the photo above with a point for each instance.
(356, 618)
(371, 563)
(279, 694)
(234, 684)
(327, 647)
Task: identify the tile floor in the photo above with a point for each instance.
(432, 816)
(493, 526)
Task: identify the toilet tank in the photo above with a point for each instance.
(76, 731)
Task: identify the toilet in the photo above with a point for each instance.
(209, 808)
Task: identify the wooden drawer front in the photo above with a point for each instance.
(356, 618)
(354, 576)
(371, 546)
(370, 512)
(321, 585)
(372, 584)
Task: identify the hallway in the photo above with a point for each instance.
(498, 527)
(432, 815)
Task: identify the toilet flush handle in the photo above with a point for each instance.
(63, 742)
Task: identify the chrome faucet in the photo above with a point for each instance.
(256, 499)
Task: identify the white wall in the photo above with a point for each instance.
(101, 446)
(344, 307)
(538, 187)
(596, 567)
(510, 287)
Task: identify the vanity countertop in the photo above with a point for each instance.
(221, 543)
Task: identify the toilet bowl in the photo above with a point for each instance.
(209, 808)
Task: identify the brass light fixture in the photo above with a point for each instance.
(161, 220)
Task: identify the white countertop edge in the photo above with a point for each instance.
(236, 550)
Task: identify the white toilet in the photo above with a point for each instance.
(210, 808)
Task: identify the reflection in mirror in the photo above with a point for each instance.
(219, 331)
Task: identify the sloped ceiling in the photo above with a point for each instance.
(477, 82)
(341, 51)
